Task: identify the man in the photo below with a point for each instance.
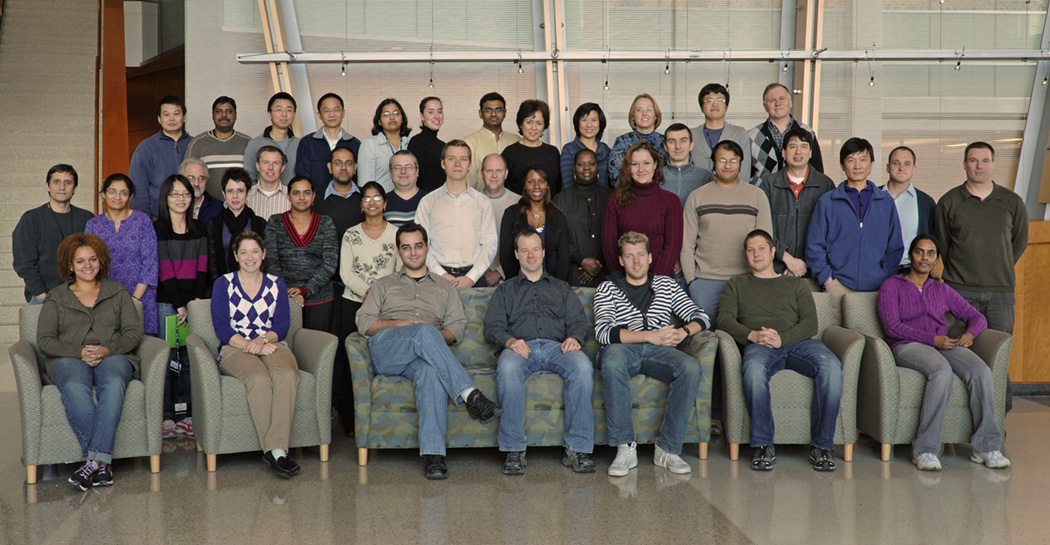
(39, 232)
(854, 238)
(982, 229)
(773, 318)
(793, 194)
(461, 219)
(767, 138)
(204, 206)
(716, 219)
(681, 176)
(494, 173)
(269, 196)
(410, 318)
(158, 156)
(490, 138)
(539, 323)
(914, 208)
(714, 102)
(312, 156)
(342, 198)
(281, 110)
(584, 206)
(402, 202)
(221, 147)
(644, 343)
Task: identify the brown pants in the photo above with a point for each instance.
(837, 290)
(272, 383)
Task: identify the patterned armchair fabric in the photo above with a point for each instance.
(792, 393)
(385, 411)
(221, 420)
(46, 435)
(890, 397)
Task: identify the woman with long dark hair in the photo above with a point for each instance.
(389, 134)
(536, 211)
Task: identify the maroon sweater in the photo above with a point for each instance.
(654, 212)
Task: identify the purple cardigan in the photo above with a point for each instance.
(910, 315)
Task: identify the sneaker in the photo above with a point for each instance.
(671, 462)
(82, 477)
(927, 461)
(104, 475)
(481, 408)
(626, 460)
(434, 467)
(168, 429)
(993, 459)
(765, 458)
(822, 459)
(184, 426)
(716, 428)
(515, 464)
(579, 461)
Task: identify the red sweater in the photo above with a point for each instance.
(654, 212)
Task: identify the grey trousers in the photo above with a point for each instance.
(940, 366)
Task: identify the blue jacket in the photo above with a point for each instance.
(156, 158)
(210, 208)
(859, 252)
(311, 158)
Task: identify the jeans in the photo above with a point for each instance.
(35, 301)
(620, 362)
(998, 308)
(94, 425)
(546, 355)
(809, 358)
(940, 368)
(418, 352)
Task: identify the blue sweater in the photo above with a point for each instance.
(156, 158)
(311, 158)
(568, 163)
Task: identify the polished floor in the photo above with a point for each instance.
(866, 501)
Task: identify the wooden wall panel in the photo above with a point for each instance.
(1029, 360)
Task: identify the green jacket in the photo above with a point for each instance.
(65, 321)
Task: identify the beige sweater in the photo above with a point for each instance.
(716, 220)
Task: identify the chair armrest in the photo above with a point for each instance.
(153, 367)
(703, 347)
(848, 345)
(994, 348)
(361, 376)
(733, 403)
(878, 391)
(315, 353)
(206, 393)
(27, 376)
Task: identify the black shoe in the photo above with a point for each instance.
(515, 464)
(83, 477)
(288, 464)
(276, 466)
(579, 461)
(104, 476)
(822, 459)
(434, 467)
(764, 459)
(482, 408)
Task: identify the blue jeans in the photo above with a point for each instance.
(706, 293)
(546, 355)
(620, 362)
(418, 352)
(808, 358)
(94, 425)
(35, 301)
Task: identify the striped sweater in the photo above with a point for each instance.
(182, 264)
(614, 311)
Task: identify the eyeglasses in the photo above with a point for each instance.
(725, 162)
(327, 111)
(392, 113)
(117, 192)
(406, 168)
(179, 195)
(373, 198)
(193, 179)
(776, 100)
(493, 110)
(714, 101)
(347, 163)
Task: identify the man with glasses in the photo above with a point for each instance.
(269, 196)
(222, 147)
(342, 198)
(158, 156)
(205, 207)
(281, 110)
(311, 158)
(402, 202)
(490, 138)
(714, 102)
(767, 138)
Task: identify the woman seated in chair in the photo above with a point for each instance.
(88, 332)
(912, 308)
(250, 312)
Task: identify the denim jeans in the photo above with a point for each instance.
(418, 352)
(809, 358)
(706, 293)
(94, 425)
(546, 355)
(998, 308)
(620, 362)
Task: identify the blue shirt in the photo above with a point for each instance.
(156, 158)
(908, 212)
(859, 199)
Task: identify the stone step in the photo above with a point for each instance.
(8, 333)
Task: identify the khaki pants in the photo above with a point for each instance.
(272, 383)
(837, 290)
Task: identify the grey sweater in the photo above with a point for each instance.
(307, 261)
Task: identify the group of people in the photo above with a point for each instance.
(716, 225)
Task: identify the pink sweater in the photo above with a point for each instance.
(910, 315)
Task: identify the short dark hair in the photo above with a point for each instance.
(855, 145)
(170, 99)
(919, 238)
(376, 186)
(712, 89)
(679, 127)
(327, 96)
(489, 97)
(899, 148)
(247, 235)
(224, 100)
(457, 143)
(118, 177)
(584, 110)
(297, 179)
(65, 169)
(331, 154)
(236, 174)
(728, 145)
(531, 106)
(378, 128)
(582, 152)
(758, 233)
(271, 149)
(281, 96)
(978, 145)
(800, 134)
(411, 227)
(423, 106)
(67, 251)
(528, 233)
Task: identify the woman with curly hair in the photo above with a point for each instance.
(389, 134)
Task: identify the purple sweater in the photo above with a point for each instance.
(654, 212)
(909, 315)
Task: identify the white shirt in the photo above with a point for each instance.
(462, 230)
(908, 212)
(373, 160)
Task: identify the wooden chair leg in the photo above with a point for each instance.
(211, 462)
(703, 450)
(362, 456)
(154, 463)
(734, 451)
(887, 450)
(199, 447)
(847, 453)
(324, 453)
(30, 474)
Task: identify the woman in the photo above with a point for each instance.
(235, 218)
(589, 122)
(536, 211)
(912, 310)
(182, 255)
(251, 334)
(304, 252)
(426, 145)
(132, 245)
(389, 134)
(88, 332)
(534, 116)
(644, 117)
(639, 204)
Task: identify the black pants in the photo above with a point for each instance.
(177, 387)
(342, 387)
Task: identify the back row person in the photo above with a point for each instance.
(768, 138)
(390, 132)
(534, 116)
(281, 110)
(314, 149)
(222, 147)
(490, 138)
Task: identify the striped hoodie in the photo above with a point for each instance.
(614, 311)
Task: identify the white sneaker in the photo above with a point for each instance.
(671, 462)
(927, 461)
(168, 429)
(993, 459)
(626, 460)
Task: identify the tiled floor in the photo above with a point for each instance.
(723, 502)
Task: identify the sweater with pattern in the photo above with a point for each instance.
(306, 261)
(614, 311)
(233, 312)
